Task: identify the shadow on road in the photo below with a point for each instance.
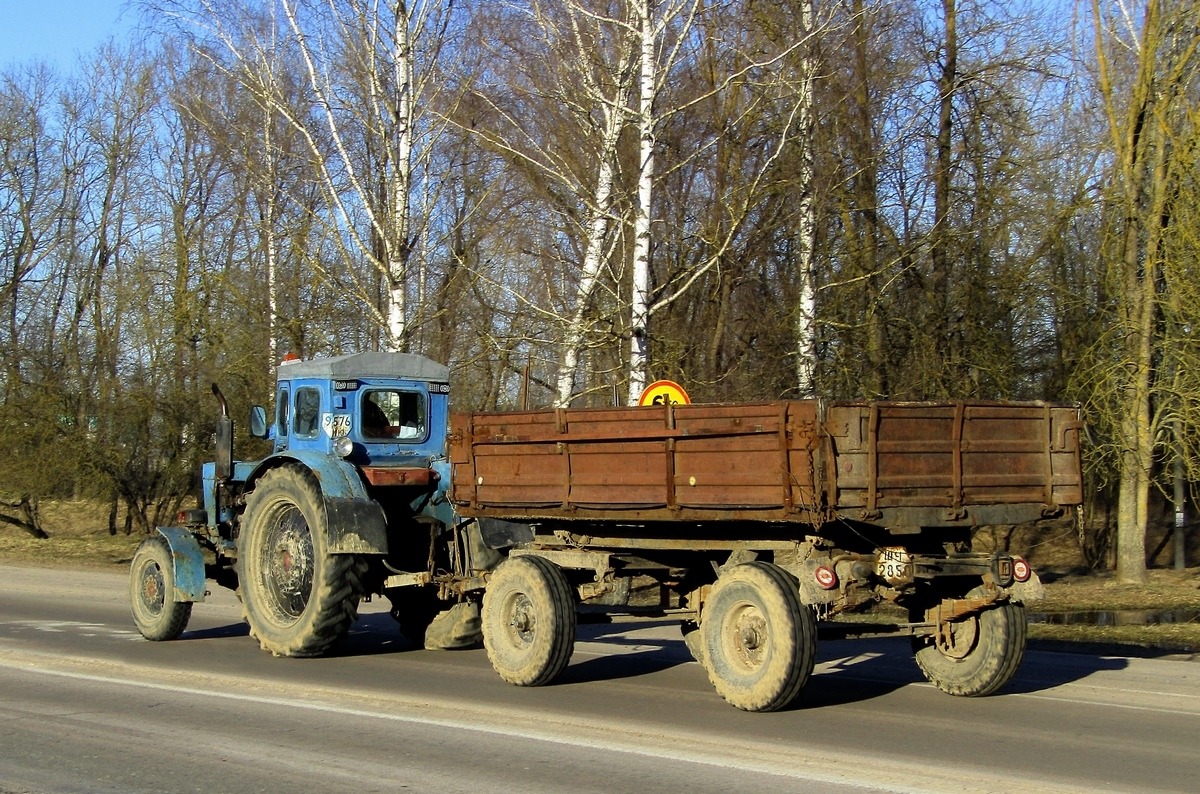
(638, 649)
(847, 671)
(851, 671)
(217, 632)
(1044, 670)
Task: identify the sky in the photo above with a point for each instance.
(56, 30)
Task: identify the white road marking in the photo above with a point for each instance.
(889, 774)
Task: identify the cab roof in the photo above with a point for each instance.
(367, 365)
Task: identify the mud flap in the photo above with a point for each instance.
(356, 526)
(188, 563)
(500, 534)
(456, 628)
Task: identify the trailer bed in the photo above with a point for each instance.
(885, 463)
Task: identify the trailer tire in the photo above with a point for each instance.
(414, 608)
(985, 651)
(759, 641)
(298, 598)
(156, 613)
(529, 620)
(690, 630)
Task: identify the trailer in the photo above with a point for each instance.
(751, 521)
(754, 525)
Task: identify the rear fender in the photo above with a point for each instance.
(187, 564)
(356, 523)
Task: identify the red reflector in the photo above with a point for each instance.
(826, 578)
(1021, 570)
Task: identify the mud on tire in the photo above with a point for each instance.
(982, 654)
(297, 597)
(759, 641)
(529, 621)
(156, 613)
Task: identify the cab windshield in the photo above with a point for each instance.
(393, 414)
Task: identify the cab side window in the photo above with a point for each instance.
(306, 419)
(281, 413)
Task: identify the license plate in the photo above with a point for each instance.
(893, 564)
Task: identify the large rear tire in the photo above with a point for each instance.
(529, 621)
(156, 613)
(981, 654)
(759, 641)
(297, 597)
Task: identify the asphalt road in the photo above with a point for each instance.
(86, 705)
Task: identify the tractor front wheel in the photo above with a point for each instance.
(156, 613)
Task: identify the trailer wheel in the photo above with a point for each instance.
(980, 655)
(759, 641)
(691, 639)
(414, 608)
(297, 597)
(156, 613)
(529, 621)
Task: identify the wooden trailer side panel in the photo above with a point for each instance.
(955, 457)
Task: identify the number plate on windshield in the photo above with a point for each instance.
(894, 565)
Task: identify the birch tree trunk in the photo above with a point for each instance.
(398, 245)
(806, 232)
(593, 260)
(614, 112)
(367, 87)
(267, 218)
(640, 293)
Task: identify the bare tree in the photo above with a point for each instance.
(806, 232)
(371, 79)
(653, 23)
(1147, 73)
(35, 197)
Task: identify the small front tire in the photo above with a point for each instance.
(156, 613)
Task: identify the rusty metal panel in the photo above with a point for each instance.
(954, 455)
(797, 460)
(387, 475)
(729, 456)
(656, 461)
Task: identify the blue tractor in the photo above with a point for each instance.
(351, 501)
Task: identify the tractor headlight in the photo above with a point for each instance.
(343, 446)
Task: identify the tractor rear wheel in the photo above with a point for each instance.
(298, 598)
(156, 613)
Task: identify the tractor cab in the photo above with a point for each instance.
(370, 409)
